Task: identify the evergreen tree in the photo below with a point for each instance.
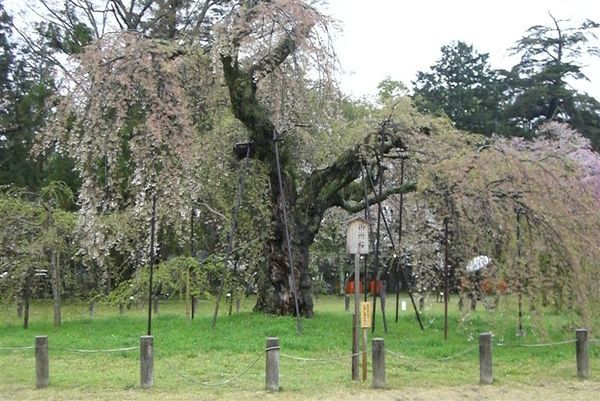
(463, 86)
(539, 84)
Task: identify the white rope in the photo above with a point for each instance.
(16, 348)
(457, 355)
(547, 344)
(323, 360)
(219, 383)
(93, 351)
(398, 355)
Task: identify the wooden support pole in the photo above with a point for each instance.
(355, 371)
(272, 364)
(446, 279)
(485, 359)
(42, 377)
(146, 362)
(378, 355)
(356, 324)
(581, 350)
(365, 332)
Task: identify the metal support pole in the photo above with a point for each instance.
(152, 228)
(399, 265)
(287, 236)
(355, 318)
(231, 234)
(399, 270)
(446, 279)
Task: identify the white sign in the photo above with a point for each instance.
(357, 236)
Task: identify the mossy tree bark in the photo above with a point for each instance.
(321, 190)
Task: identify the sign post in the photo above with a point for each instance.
(357, 243)
(365, 324)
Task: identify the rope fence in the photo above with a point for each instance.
(217, 383)
(503, 345)
(272, 354)
(96, 351)
(16, 348)
(422, 360)
(324, 360)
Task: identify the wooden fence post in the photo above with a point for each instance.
(42, 378)
(485, 359)
(272, 364)
(146, 361)
(378, 363)
(581, 349)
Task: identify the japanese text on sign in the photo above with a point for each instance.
(365, 315)
(357, 238)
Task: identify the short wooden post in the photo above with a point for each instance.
(42, 378)
(485, 358)
(147, 361)
(272, 364)
(346, 303)
(581, 349)
(378, 354)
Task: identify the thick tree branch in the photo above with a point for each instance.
(353, 207)
(245, 105)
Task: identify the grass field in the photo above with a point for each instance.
(193, 361)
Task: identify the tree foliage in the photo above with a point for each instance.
(550, 60)
(463, 86)
(515, 197)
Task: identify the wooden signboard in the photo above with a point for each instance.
(357, 244)
(365, 315)
(357, 237)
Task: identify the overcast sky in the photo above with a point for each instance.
(398, 38)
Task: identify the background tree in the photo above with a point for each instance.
(36, 235)
(27, 83)
(463, 86)
(540, 88)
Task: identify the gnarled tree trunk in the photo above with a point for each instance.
(325, 188)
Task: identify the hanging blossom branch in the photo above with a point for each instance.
(128, 128)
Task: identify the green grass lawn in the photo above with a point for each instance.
(191, 357)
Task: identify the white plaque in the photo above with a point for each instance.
(357, 236)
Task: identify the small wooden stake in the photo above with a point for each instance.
(272, 364)
(581, 349)
(378, 358)
(41, 362)
(485, 359)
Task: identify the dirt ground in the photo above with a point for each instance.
(550, 391)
